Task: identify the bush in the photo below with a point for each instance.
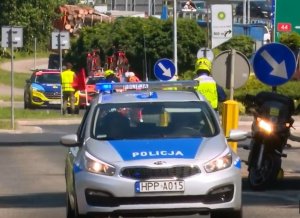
(254, 86)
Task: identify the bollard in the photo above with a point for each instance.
(230, 119)
(164, 119)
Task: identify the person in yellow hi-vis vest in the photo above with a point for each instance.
(68, 91)
(207, 85)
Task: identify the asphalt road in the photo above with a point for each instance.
(32, 183)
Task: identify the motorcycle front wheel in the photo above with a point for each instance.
(266, 175)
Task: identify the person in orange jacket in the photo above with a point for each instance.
(131, 77)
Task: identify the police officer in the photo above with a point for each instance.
(207, 85)
(67, 80)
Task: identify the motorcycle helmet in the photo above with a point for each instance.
(203, 64)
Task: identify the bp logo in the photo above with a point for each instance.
(221, 15)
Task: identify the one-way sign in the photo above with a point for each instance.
(274, 64)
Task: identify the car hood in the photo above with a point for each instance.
(46, 87)
(203, 149)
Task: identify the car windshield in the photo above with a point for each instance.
(50, 78)
(153, 120)
(94, 80)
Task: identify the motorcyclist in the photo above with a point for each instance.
(207, 85)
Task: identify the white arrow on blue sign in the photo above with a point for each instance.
(274, 64)
(164, 69)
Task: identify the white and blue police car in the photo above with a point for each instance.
(145, 149)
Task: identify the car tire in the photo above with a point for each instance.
(27, 101)
(70, 212)
(226, 214)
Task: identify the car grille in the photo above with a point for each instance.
(159, 173)
(104, 199)
(53, 95)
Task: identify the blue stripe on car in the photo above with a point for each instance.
(158, 148)
(237, 163)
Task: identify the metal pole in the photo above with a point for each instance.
(248, 12)
(233, 53)
(34, 52)
(149, 8)
(175, 35)
(145, 54)
(12, 80)
(60, 67)
(244, 12)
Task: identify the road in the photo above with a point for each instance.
(32, 182)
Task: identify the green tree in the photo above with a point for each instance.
(35, 16)
(139, 37)
(292, 40)
(241, 43)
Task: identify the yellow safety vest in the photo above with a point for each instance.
(208, 88)
(67, 79)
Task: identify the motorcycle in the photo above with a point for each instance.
(270, 132)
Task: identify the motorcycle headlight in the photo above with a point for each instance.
(264, 125)
(95, 165)
(222, 162)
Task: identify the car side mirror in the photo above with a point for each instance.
(69, 140)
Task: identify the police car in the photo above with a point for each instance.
(43, 89)
(144, 150)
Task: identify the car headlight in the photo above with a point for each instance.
(95, 165)
(222, 162)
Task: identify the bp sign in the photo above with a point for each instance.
(286, 17)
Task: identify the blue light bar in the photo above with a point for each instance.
(109, 87)
(104, 87)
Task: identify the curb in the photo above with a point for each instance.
(32, 126)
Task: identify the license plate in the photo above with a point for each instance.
(55, 101)
(159, 186)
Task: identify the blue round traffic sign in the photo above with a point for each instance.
(164, 69)
(274, 64)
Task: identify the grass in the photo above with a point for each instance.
(19, 78)
(8, 98)
(29, 114)
(22, 114)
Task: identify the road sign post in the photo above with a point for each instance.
(12, 37)
(60, 40)
(231, 70)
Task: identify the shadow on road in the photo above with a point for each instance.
(38, 200)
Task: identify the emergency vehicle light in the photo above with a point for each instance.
(104, 87)
(109, 87)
